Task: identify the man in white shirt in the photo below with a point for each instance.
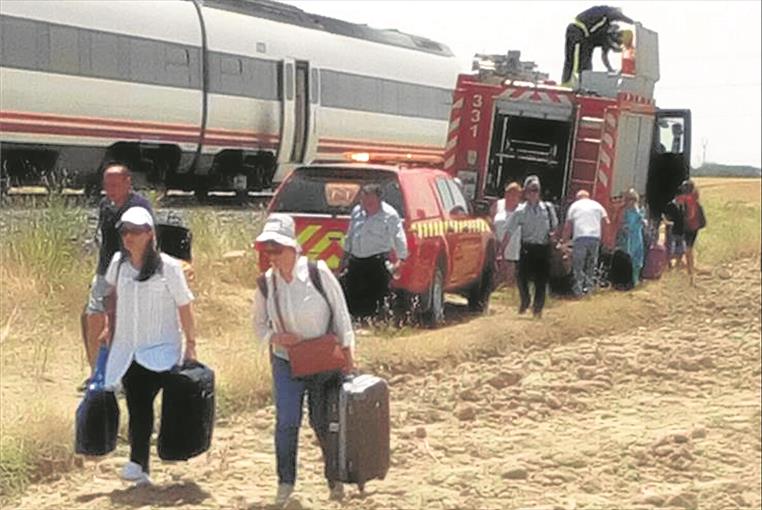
(375, 230)
(584, 221)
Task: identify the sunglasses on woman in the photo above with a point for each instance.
(270, 248)
(134, 229)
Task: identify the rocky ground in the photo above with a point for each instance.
(666, 415)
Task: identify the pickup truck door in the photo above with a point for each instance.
(459, 241)
(470, 237)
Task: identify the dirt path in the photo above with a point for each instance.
(667, 415)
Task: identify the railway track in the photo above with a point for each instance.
(40, 197)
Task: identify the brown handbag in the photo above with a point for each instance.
(313, 355)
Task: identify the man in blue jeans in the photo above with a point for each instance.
(585, 220)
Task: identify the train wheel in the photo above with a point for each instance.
(202, 194)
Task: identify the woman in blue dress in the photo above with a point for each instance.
(630, 237)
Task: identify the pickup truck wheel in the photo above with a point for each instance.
(479, 294)
(433, 316)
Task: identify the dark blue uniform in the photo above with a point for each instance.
(589, 29)
(108, 216)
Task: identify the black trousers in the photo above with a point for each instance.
(141, 386)
(576, 42)
(366, 285)
(534, 265)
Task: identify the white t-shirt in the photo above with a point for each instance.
(586, 215)
(147, 323)
(513, 248)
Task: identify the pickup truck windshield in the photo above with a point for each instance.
(334, 191)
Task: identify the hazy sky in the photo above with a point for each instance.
(710, 52)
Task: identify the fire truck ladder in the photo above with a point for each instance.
(584, 162)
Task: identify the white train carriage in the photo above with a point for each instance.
(227, 94)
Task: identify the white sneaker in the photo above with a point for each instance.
(284, 492)
(144, 480)
(132, 472)
(336, 492)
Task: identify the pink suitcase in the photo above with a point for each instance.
(656, 262)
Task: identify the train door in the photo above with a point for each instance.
(295, 112)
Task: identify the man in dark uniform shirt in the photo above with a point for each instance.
(117, 184)
(590, 29)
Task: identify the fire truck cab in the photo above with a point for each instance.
(606, 137)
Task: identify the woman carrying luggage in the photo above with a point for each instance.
(289, 308)
(630, 236)
(153, 303)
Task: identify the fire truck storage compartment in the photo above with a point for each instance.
(522, 146)
(633, 150)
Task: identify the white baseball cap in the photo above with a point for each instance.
(137, 216)
(279, 228)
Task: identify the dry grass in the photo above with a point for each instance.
(42, 293)
(734, 210)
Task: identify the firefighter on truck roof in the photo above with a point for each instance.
(590, 29)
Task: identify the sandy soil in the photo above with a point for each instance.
(666, 415)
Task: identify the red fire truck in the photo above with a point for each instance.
(606, 137)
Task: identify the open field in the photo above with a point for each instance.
(661, 402)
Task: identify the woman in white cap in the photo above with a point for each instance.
(301, 312)
(151, 294)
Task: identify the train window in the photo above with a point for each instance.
(19, 46)
(64, 49)
(289, 81)
(144, 61)
(177, 66)
(410, 102)
(389, 97)
(231, 75)
(262, 77)
(367, 93)
(104, 55)
(342, 90)
(231, 65)
(314, 88)
(242, 76)
(177, 56)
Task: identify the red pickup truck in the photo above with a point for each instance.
(450, 250)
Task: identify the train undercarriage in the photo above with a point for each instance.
(155, 166)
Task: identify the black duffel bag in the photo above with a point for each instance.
(97, 417)
(620, 273)
(175, 240)
(187, 412)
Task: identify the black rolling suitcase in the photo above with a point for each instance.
(97, 416)
(620, 272)
(358, 432)
(187, 412)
